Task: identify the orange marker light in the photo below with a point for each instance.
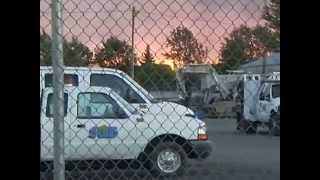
(203, 137)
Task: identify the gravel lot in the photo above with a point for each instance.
(240, 156)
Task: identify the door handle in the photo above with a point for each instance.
(81, 126)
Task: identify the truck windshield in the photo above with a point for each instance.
(143, 91)
(125, 103)
(276, 91)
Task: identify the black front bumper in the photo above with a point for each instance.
(200, 149)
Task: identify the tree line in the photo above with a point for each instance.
(184, 48)
(113, 53)
(242, 44)
(245, 43)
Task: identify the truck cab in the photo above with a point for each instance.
(260, 101)
(269, 101)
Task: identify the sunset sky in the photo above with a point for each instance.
(210, 21)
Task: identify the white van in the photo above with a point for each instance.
(120, 82)
(101, 125)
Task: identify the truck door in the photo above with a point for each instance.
(101, 128)
(46, 118)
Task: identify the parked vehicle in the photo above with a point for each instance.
(260, 103)
(101, 125)
(204, 89)
(120, 82)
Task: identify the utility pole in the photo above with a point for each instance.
(264, 56)
(134, 14)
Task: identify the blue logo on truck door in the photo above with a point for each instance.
(103, 132)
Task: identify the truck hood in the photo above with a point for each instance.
(173, 117)
(170, 108)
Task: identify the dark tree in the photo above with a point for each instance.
(247, 43)
(45, 49)
(114, 53)
(74, 53)
(272, 15)
(155, 77)
(185, 48)
(147, 57)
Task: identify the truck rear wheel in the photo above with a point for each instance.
(274, 124)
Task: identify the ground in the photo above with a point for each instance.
(239, 156)
(236, 157)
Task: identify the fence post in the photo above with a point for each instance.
(58, 90)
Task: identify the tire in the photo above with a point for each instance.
(157, 168)
(274, 124)
(247, 127)
(238, 117)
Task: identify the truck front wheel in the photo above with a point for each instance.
(245, 126)
(167, 159)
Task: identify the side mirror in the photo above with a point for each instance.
(121, 115)
(262, 97)
(143, 106)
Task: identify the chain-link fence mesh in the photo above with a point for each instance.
(142, 79)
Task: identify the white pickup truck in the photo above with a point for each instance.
(120, 82)
(101, 125)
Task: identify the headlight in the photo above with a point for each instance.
(202, 132)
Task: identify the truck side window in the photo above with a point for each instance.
(49, 107)
(69, 80)
(97, 106)
(275, 90)
(118, 85)
(265, 94)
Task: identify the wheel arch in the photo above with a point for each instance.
(183, 142)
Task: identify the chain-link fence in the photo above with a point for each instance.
(143, 79)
